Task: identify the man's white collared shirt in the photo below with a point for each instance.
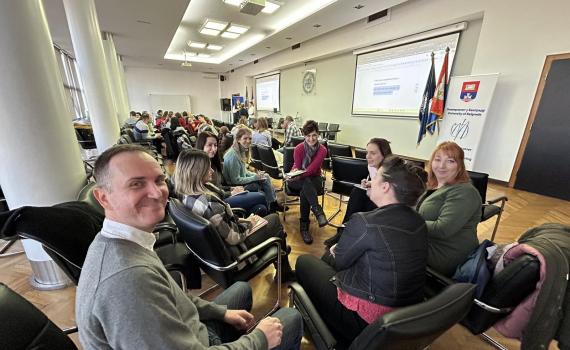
(113, 229)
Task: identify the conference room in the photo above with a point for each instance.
(478, 85)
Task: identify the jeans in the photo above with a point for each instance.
(251, 202)
(314, 275)
(308, 193)
(238, 297)
(265, 186)
(358, 202)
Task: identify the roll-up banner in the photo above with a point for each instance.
(468, 99)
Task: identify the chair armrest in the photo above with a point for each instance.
(69, 330)
(309, 311)
(497, 199)
(169, 226)
(263, 245)
(239, 212)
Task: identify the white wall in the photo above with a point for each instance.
(204, 93)
(513, 39)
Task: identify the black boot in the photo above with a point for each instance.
(334, 239)
(307, 238)
(287, 273)
(274, 207)
(320, 215)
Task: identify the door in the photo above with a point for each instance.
(545, 164)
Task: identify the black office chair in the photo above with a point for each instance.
(336, 150)
(323, 126)
(214, 255)
(332, 131)
(7, 244)
(412, 327)
(359, 153)
(25, 327)
(269, 163)
(275, 144)
(501, 295)
(488, 209)
(295, 140)
(288, 162)
(346, 172)
(86, 139)
(255, 158)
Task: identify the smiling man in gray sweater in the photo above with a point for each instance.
(127, 300)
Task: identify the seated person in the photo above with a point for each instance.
(291, 129)
(235, 173)
(309, 156)
(132, 120)
(192, 180)
(125, 297)
(240, 124)
(380, 260)
(376, 150)
(452, 209)
(206, 125)
(236, 196)
(261, 136)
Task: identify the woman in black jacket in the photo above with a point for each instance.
(380, 260)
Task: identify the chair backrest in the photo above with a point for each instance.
(323, 126)
(23, 326)
(288, 159)
(337, 149)
(360, 153)
(506, 289)
(202, 239)
(417, 326)
(268, 161)
(295, 140)
(86, 195)
(346, 172)
(255, 157)
(65, 230)
(333, 127)
(480, 181)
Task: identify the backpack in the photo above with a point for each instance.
(476, 269)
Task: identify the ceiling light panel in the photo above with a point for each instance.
(203, 55)
(217, 25)
(236, 28)
(196, 44)
(208, 31)
(214, 47)
(229, 35)
(270, 7)
(233, 2)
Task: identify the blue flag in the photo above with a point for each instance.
(428, 95)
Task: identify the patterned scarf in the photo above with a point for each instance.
(309, 154)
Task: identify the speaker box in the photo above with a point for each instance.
(222, 78)
(226, 104)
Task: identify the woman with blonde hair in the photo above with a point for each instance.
(261, 136)
(451, 207)
(192, 179)
(235, 170)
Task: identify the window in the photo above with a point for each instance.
(72, 84)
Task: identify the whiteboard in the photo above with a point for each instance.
(175, 103)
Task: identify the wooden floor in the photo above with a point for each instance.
(523, 210)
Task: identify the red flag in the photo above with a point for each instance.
(438, 100)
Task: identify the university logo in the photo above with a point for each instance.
(469, 90)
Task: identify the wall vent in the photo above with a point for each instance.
(296, 46)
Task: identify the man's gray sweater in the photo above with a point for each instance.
(127, 300)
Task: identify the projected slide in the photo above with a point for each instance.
(267, 92)
(391, 82)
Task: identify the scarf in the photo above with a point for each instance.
(309, 154)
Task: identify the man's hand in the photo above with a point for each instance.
(273, 330)
(240, 319)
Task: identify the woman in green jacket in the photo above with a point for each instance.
(451, 208)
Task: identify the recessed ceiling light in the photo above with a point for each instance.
(196, 44)
(213, 24)
(271, 6)
(208, 31)
(203, 55)
(236, 28)
(288, 38)
(229, 35)
(233, 2)
(190, 54)
(316, 25)
(214, 47)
